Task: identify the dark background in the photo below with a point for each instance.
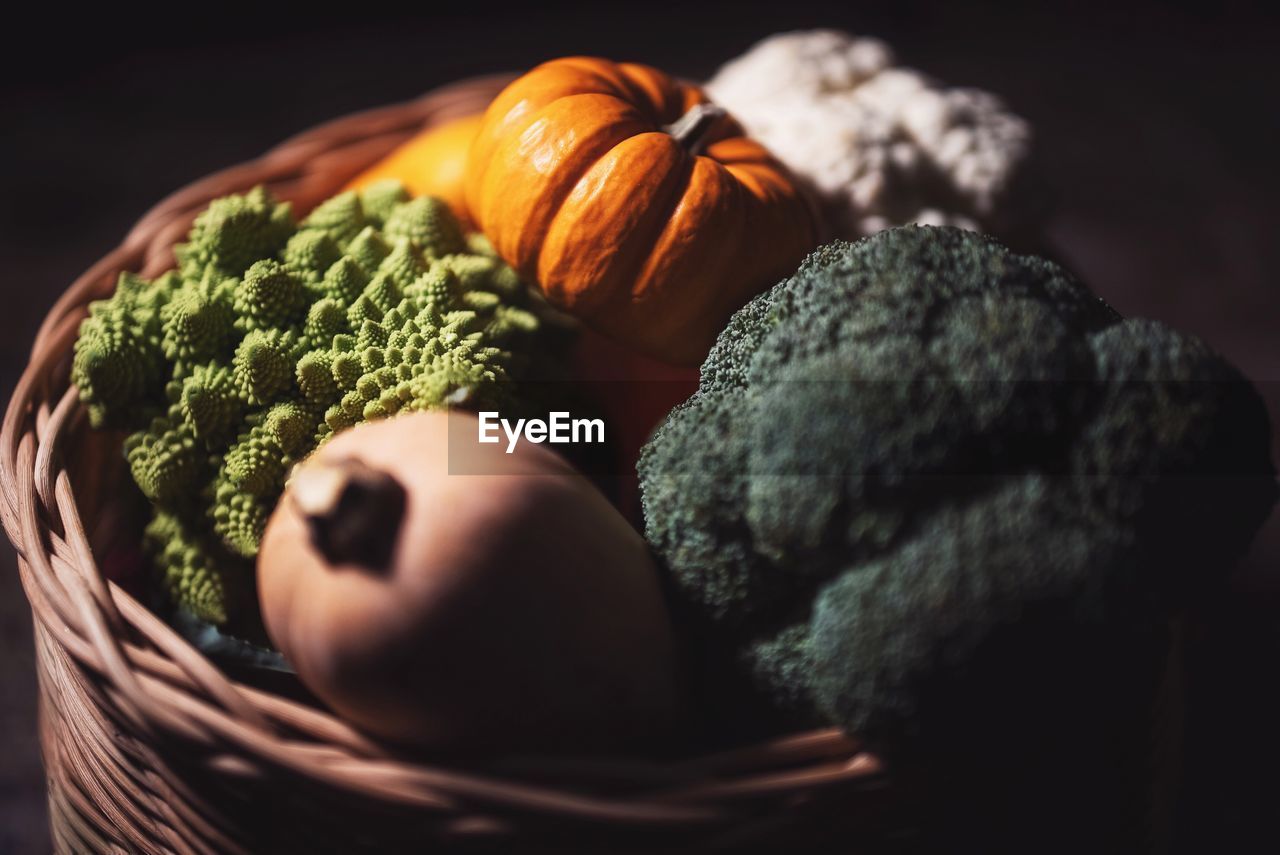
(1156, 130)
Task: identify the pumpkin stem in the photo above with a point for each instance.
(690, 130)
(353, 511)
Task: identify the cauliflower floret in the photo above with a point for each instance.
(878, 145)
(809, 63)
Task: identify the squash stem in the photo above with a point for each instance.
(353, 511)
(691, 129)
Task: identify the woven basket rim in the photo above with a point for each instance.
(150, 682)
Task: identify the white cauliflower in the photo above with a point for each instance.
(878, 145)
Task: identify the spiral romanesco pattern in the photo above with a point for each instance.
(270, 336)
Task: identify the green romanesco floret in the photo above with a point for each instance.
(315, 377)
(263, 365)
(271, 297)
(309, 254)
(196, 571)
(199, 321)
(166, 460)
(289, 425)
(342, 218)
(118, 363)
(256, 463)
(382, 198)
(397, 271)
(325, 319)
(367, 250)
(268, 338)
(344, 280)
(233, 233)
(239, 517)
(211, 403)
(916, 443)
(428, 223)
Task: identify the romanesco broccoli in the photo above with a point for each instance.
(270, 336)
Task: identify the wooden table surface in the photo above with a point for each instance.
(1156, 131)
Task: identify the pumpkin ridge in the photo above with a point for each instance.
(499, 123)
(650, 81)
(617, 83)
(651, 290)
(636, 277)
(761, 187)
(626, 263)
(521, 245)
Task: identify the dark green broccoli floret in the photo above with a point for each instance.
(917, 441)
(270, 337)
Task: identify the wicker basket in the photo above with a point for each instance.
(150, 747)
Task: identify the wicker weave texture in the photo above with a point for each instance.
(149, 747)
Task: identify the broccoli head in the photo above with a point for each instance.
(270, 336)
(905, 452)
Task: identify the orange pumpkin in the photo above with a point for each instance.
(633, 202)
(430, 164)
